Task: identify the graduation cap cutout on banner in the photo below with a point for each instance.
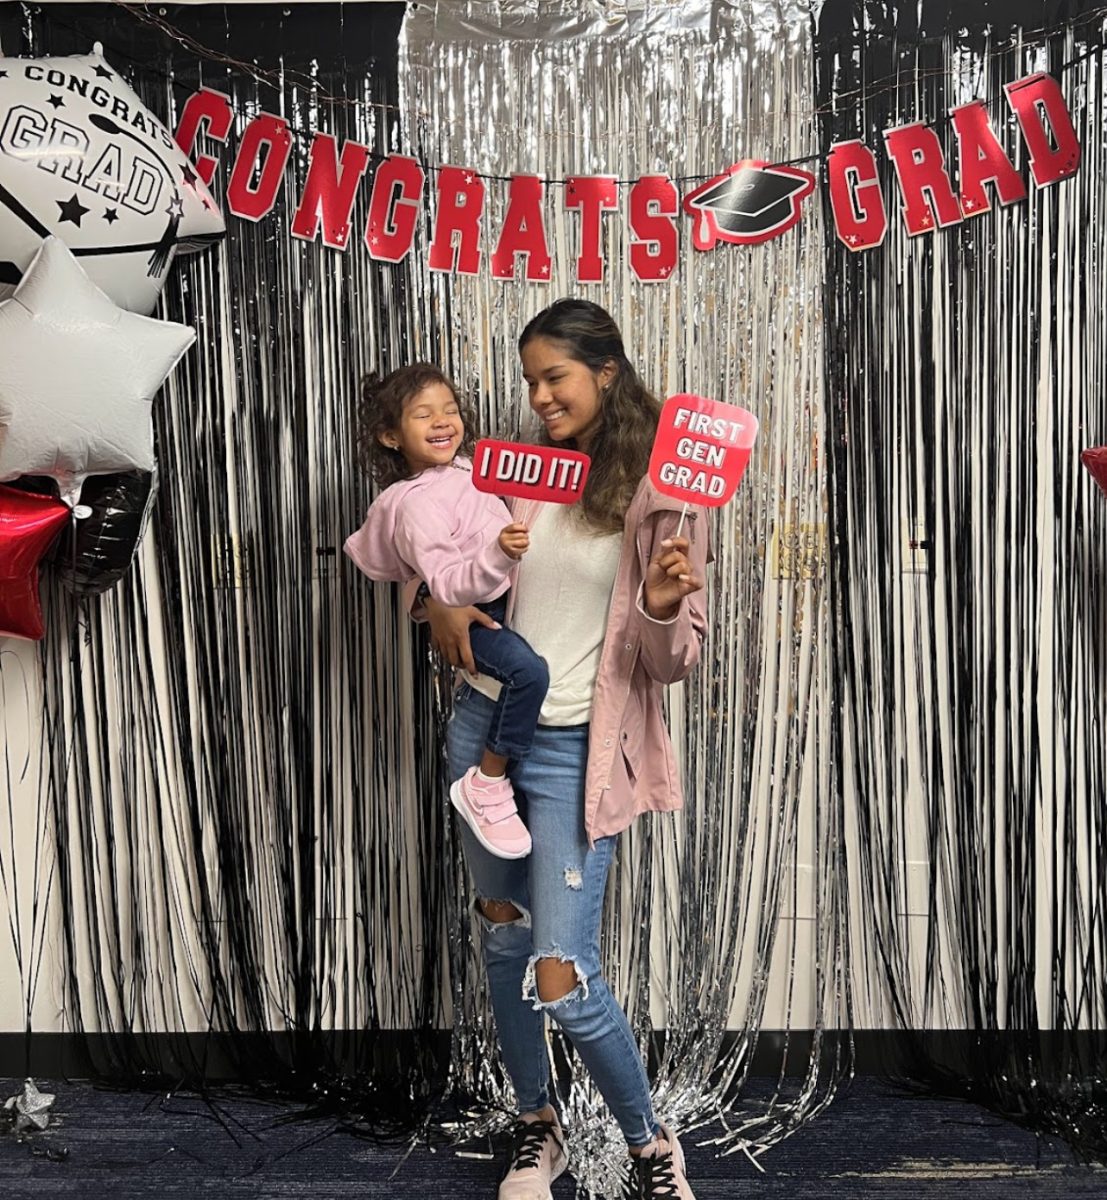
(751, 202)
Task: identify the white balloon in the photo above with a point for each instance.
(83, 159)
(78, 376)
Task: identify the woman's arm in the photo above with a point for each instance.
(671, 604)
(449, 627)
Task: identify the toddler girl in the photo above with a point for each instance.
(431, 522)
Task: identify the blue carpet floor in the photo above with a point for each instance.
(873, 1142)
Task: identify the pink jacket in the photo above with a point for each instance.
(438, 527)
(631, 769)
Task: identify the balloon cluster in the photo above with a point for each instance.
(96, 199)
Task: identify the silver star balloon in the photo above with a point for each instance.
(29, 1109)
(78, 375)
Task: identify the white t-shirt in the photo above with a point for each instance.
(562, 597)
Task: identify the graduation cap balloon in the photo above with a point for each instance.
(751, 202)
(83, 159)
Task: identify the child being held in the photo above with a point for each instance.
(430, 521)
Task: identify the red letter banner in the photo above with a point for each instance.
(1038, 103)
(523, 232)
(211, 110)
(855, 198)
(593, 195)
(394, 208)
(981, 159)
(928, 199)
(262, 153)
(701, 449)
(456, 242)
(533, 472)
(329, 191)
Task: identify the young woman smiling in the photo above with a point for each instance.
(613, 601)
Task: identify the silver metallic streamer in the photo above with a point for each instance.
(743, 890)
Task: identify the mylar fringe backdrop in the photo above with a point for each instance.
(239, 737)
(968, 370)
(746, 885)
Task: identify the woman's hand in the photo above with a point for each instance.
(450, 631)
(669, 578)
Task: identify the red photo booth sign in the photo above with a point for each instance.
(701, 449)
(532, 472)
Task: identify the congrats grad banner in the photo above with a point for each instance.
(750, 202)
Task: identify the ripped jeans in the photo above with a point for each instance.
(559, 890)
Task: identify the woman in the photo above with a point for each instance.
(613, 601)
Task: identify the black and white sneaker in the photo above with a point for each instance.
(658, 1173)
(537, 1158)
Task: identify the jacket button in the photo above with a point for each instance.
(628, 646)
(607, 741)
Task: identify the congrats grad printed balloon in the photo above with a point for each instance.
(84, 160)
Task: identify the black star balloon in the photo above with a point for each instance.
(74, 136)
(77, 376)
(28, 525)
(101, 546)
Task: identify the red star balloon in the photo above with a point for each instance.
(28, 524)
(1096, 462)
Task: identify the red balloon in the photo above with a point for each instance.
(28, 524)
(1096, 462)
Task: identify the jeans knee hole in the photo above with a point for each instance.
(530, 981)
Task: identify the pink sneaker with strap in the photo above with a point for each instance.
(488, 808)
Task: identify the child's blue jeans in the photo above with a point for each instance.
(523, 677)
(559, 890)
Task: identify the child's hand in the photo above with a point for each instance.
(515, 540)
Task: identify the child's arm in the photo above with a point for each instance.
(426, 542)
(372, 552)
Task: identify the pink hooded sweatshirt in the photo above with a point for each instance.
(438, 527)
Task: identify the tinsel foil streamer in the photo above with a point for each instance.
(969, 656)
(239, 737)
(744, 890)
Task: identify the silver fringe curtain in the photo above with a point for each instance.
(743, 891)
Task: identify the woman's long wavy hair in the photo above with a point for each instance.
(620, 449)
(382, 406)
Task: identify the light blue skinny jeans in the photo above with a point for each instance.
(559, 890)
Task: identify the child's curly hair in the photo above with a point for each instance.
(382, 406)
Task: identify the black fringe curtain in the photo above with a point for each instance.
(232, 879)
(968, 582)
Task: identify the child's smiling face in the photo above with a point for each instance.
(430, 429)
